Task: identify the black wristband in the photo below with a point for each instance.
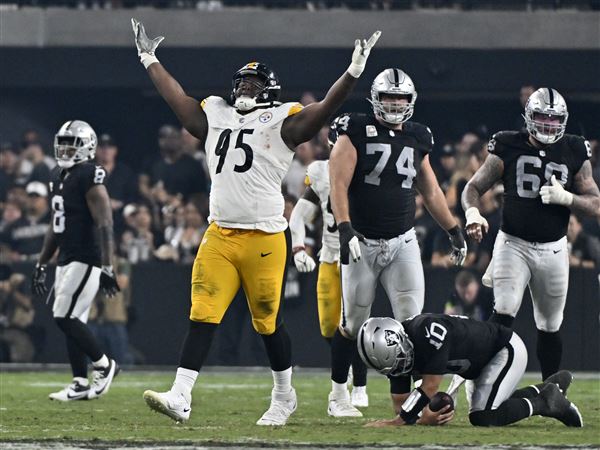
(454, 231)
(412, 406)
(344, 227)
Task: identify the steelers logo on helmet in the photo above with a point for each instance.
(546, 115)
(254, 85)
(393, 96)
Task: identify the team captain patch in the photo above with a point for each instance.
(371, 131)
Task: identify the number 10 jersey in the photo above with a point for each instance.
(247, 160)
(526, 170)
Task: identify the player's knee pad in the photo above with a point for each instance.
(549, 324)
(328, 328)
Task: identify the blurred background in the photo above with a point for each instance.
(474, 64)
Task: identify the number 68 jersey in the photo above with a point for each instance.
(72, 222)
(247, 160)
(526, 170)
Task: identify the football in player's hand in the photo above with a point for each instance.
(439, 401)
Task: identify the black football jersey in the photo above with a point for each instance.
(382, 191)
(454, 344)
(72, 221)
(526, 170)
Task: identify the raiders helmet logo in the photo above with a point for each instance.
(391, 338)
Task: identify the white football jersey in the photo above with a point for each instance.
(247, 160)
(317, 177)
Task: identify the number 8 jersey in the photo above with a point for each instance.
(526, 170)
(382, 191)
(72, 221)
(247, 160)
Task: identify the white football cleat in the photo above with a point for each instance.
(281, 408)
(74, 391)
(340, 406)
(359, 397)
(102, 379)
(172, 404)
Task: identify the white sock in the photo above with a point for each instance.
(82, 381)
(184, 382)
(102, 363)
(282, 381)
(359, 389)
(339, 389)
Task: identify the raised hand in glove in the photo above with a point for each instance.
(349, 243)
(108, 282)
(145, 46)
(459, 246)
(38, 280)
(362, 48)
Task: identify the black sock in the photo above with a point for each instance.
(77, 359)
(81, 335)
(279, 349)
(528, 392)
(196, 345)
(328, 340)
(502, 319)
(359, 370)
(342, 351)
(549, 352)
(511, 411)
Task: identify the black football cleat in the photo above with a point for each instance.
(555, 404)
(562, 378)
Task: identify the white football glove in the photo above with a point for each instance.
(555, 194)
(362, 48)
(304, 263)
(354, 246)
(145, 46)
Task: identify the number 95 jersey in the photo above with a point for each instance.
(526, 170)
(247, 160)
(72, 221)
(382, 191)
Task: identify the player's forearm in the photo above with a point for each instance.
(48, 247)
(303, 213)
(435, 202)
(167, 86)
(107, 244)
(339, 203)
(588, 205)
(471, 197)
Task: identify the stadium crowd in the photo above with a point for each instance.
(317, 4)
(161, 209)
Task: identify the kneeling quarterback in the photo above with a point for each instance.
(491, 357)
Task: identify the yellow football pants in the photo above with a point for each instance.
(329, 298)
(228, 258)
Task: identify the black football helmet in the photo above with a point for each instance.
(268, 92)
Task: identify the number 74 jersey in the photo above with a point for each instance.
(382, 191)
(247, 160)
(526, 170)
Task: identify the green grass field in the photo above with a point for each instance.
(226, 406)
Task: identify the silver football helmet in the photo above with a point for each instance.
(75, 142)
(393, 81)
(384, 346)
(548, 103)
